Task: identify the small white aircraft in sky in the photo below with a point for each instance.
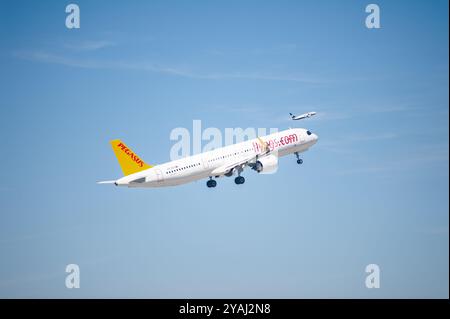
(260, 154)
(302, 116)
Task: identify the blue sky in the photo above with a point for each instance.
(374, 189)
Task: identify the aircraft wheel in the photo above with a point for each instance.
(211, 183)
(239, 180)
(299, 161)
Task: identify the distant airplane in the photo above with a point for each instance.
(260, 154)
(302, 116)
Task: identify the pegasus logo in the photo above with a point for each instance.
(133, 156)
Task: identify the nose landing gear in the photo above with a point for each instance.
(299, 160)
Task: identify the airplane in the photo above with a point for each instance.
(260, 154)
(302, 116)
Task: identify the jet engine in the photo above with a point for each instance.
(267, 164)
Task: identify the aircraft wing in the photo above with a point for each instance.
(225, 169)
(241, 163)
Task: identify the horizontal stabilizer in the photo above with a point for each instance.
(106, 182)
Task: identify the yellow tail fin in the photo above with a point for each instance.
(128, 160)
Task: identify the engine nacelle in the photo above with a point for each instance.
(266, 165)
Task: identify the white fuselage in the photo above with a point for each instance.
(202, 165)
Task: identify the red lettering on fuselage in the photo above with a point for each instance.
(276, 143)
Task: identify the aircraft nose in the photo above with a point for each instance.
(315, 138)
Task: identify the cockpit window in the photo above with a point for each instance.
(308, 132)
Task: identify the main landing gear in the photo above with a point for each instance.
(211, 183)
(299, 160)
(239, 180)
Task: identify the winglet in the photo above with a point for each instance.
(264, 145)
